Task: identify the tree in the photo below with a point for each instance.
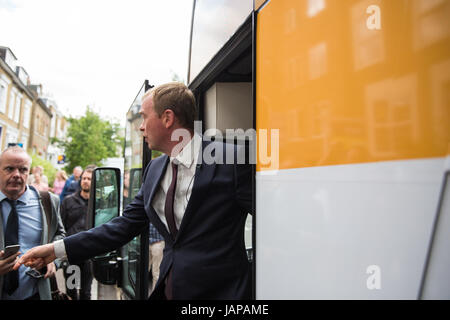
(90, 140)
(49, 170)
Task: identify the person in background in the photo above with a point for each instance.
(73, 214)
(40, 170)
(38, 182)
(126, 186)
(155, 253)
(60, 181)
(72, 184)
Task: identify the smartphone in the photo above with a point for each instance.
(10, 250)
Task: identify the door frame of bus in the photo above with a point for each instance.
(111, 272)
(243, 40)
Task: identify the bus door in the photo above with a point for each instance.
(128, 266)
(221, 76)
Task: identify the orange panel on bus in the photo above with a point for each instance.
(353, 81)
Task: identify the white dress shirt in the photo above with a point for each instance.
(187, 164)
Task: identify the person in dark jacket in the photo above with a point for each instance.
(72, 184)
(73, 213)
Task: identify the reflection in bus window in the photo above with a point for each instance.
(106, 196)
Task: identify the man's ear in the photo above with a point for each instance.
(168, 117)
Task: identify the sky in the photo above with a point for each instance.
(97, 52)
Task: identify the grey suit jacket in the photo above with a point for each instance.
(57, 232)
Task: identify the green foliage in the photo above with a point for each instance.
(49, 170)
(90, 140)
(156, 154)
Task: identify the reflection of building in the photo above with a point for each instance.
(440, 111)
(349, 92)
(392, 115)
(430, 22)
(368, 45)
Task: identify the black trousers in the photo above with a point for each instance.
(85, 282)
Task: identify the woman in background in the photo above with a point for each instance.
(39, 183)
(58, 184)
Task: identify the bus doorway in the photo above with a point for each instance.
(220, 74)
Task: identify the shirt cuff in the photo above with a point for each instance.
(60, 249)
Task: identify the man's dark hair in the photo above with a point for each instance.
(89, 168)
(177, 97)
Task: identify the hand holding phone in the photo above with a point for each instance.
(8, 259)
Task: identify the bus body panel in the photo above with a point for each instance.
(325, 230)
(358, 93)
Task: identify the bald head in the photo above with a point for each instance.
(16, 150)
(14, 171)
(77, 172)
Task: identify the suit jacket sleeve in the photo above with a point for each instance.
(60, 232)
(109, 236)
(63, 213)
(243, 177)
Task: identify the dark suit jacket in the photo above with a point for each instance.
(208, 257)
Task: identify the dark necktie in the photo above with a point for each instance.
(12, 238)
(170, 197)
(170, 218)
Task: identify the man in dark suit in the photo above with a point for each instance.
(199, 206)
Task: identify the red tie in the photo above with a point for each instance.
(170, 218)
(168, 208)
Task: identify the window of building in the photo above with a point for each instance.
(36, 124)
(12, 135)
(12, 100)
(24, 140)
(315, 6)
(19, 99)
(3, 92)
(53, 125)
(26, 114)
(2, 126)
